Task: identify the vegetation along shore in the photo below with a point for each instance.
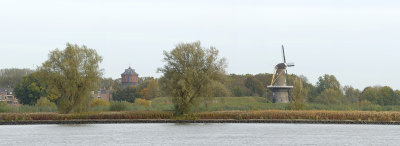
(264, 116)
(194, 87)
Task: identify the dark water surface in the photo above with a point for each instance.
(200, 134)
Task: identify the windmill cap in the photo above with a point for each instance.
(280, 66)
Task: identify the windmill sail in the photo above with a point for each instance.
(283, 54)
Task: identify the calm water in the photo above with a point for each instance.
(200, 134)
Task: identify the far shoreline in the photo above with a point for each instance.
(215, 121)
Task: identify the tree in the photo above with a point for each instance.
(30, 89)
(151, 90)
(44, 102)
(327, 82)
(107, 83)
(74, 72)
(11, 76)
(330, 96)
(126, 94)
(351, 95)
(371, 94)
(389, 97)
(254, 85)
(298, 101)
(189, 71)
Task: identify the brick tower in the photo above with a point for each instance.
(129, 78)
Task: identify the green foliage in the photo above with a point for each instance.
(217, 89)
(330, 96)
(107, 83)
(151, 90)
(143, 102)
(298, 102)
(236, 84)
(327, 82)
(189, 70)
(98, 102)
(74, 72)
(380, 95)
(126, 94)
(351, 95)
(3, 106)
(10, 77)
(32, 87)
(119, 105)
(328, 91)
(44, 102)
(254, 85)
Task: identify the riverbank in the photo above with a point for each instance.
(266, 116)
(124, 121)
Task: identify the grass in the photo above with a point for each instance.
(370, 116)
(236, 108)
(26, 109)
(84, 116)
(216, 104)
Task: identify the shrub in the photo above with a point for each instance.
(44, 102)
(3, 107)
(143, 102)
(98, 102)
(119, 105)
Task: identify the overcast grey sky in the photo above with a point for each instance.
(357, 41)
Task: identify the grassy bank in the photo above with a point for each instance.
(284, 115)
(215, 104)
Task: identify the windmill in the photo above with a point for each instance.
(279, 88)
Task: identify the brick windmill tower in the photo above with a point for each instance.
(129, 78)
(279, 88)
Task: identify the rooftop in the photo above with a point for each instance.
(6, 89)
(129, 71)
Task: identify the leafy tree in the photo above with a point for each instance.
(298, 101)
(107, 83)
(74, 72)
(236, 85)
(11, 76)
(254, 85)
(30, 89)
(151, 90)
(351, 95)
(143, 102)
(98, 102)
(217, 89)
(389, 97)
(371, 94)
(189, 70)
(327, 82)
(330, 96)
(44, 102)
(127, 94)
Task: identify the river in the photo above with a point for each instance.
(200, 134)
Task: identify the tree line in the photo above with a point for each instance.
(191, 74)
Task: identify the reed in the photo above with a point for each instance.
(371, 116)
(85, 116)
(320, 115)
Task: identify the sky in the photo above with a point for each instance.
(357, 41)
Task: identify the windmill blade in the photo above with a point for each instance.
(283, 54)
